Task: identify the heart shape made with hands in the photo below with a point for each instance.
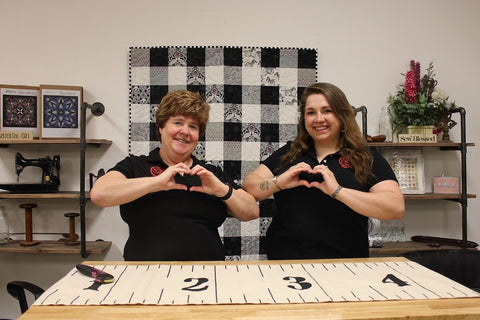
(310, 177)
(188, 179)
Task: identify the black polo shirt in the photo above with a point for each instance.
(174, 224)
(310, 224)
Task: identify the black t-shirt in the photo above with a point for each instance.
(175, 224)
(309, 224)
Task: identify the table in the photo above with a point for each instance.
(458, 308)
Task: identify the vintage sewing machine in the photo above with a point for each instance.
(50, 175)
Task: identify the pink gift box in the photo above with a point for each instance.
(446, 185)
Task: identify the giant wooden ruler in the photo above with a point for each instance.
(252, 283)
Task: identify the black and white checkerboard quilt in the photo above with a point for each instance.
(253, 93)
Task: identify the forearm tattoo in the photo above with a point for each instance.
(264, 185)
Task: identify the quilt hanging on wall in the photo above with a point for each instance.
(253, 93)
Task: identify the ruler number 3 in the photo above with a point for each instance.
(297, 283)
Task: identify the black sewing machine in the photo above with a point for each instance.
(50, 175)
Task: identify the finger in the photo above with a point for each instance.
(180, 165)
(322, 168)
(302, 166)
(198, 168)
(304, 183)
(197, 188)
(201, 172)
(180, 187)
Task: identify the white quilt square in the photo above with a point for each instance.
(139, 147)
(288, 114)
(140, 76)
(140, 113)
(250, 151)
(214, 74)
(250, 228)
(251, 75)
(177, 76)
(251, 113)
(214, 150)
(288, 77)
(216, 112)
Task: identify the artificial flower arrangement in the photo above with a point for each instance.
(418, 102)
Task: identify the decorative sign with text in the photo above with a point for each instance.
(174, 284)
(7, 135)
(417, 138)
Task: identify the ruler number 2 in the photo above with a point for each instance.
(197, 284)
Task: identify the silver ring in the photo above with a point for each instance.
(296, 166)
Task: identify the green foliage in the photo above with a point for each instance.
(426, 106)
(406, 114)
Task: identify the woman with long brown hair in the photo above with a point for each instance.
(326, 183)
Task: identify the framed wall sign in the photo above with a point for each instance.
(20, 109)
(408, 165)
(60, 107)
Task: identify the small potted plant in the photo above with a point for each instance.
(418, 106)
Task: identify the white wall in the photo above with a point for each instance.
(363, 46)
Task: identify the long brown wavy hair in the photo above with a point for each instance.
(352, 143)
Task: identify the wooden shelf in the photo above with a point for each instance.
(99, 247)
(92, 142)
(448, 145)
(52, 195)
(436, 196)
(84, 247)
(50, 246)
(396, 248)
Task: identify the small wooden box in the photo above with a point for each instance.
(449, 185)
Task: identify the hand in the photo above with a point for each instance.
(291, 177)
(329, 183)
(210, 183)
(188, 179)
(166, 180)
(310, 177)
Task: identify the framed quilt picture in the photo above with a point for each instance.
(60, 107)
(20, 109)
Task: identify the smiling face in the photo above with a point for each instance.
(181, 119)
(179, 138)
(321, 123)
